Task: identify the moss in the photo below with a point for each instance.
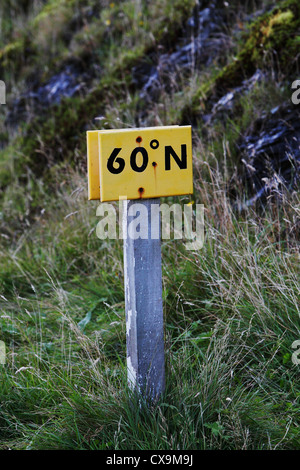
(171, 23)
(49, 11)
(279, 18)
(11, 48)
(271, 42)
(14, 56)
(41, 42)
(275, 32)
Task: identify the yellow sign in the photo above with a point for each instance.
(139, 163)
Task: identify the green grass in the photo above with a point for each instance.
(231, 310)
(231, 314)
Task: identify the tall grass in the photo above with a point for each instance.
(231, 315)
(231, 310)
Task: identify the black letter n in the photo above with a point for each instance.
(170, 151)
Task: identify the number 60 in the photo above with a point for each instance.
(114, 159)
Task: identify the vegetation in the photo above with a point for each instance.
(231, 310)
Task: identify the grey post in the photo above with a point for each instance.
(143, 301)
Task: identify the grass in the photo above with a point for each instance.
(231, 315)
(231, 310)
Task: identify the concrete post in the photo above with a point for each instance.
(143, 299)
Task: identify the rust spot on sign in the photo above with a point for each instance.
(141, 192)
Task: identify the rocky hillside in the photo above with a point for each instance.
(225, 67)
(231, 70)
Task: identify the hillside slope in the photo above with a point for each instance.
(232, 308)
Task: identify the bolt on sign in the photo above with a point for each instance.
(139, 163)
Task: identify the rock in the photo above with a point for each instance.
(64, 84)
(205, 40)
(226, 104)
(271, 153)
